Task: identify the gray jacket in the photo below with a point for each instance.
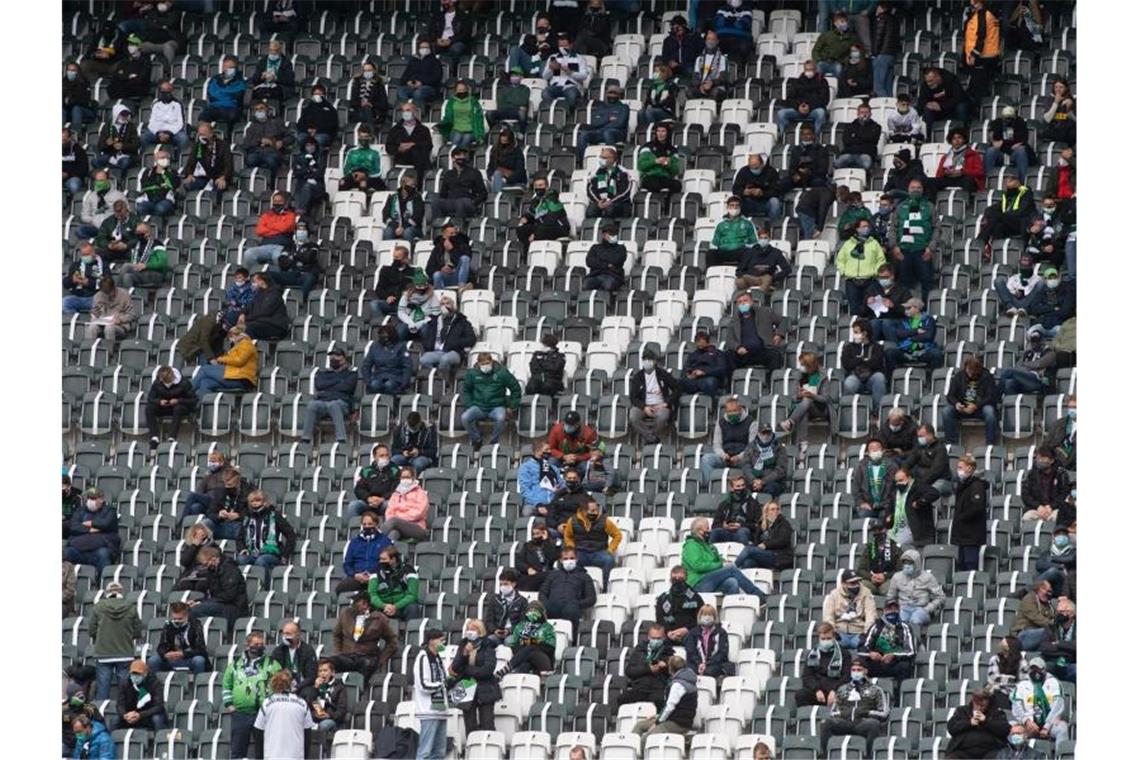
(769, 324)
(923, 590)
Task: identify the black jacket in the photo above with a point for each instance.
(747, 512)
(182, 391)
(427, 70)
(305, 670)
(286, 535)
(607, 258)
(460, 246)
(665, 379)
(928, 463)
(334, 703)
(971, 508)
(898, 295)
(814, 91)
(1011, 132)
(1045, 488)
(129, 698)
(319, 116)
(419, 154)
(716, 656)
(767, 180)
(425, 439)
(501, 613)
(862, 138)
(862, 359)
(393, 280)
(75, 160)
(712, 362)
(76, 92)
(903, 440)
(132, 78)
(231, 500)
(462, 183)
(404, 210)
(171, 640)
(678, 610)
(948, 96)
(336, 385)
(459, 335)
(92, 272)
(684, 51)
(860, 74)
(768, 259)
(215, 157)
(814, 674)
(267, 311)
(460, 25)
(483, 671)
(899, 179)
(568, 588)
(649, 685)
(226, 585)
(813, 160)
(539, 556)
(779, 539)
(286, 77)
(377, 99)
(377, 481)
(985, 389)
(885, 36)
(967, 740)
(920, 500)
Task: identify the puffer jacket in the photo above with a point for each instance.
(923, 590)
(363, 553)
(411, 506)
(489, 391)
(386, 362)
(568, 588)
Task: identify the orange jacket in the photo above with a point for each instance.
(990, 47)
(240, 361)
(271, 224)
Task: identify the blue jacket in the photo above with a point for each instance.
(387, 361)
(910, 340)
(530, 475)
(712, 362)
(224, 95)
(336, 385)
(363, 555)
(240, 297)
(609, 115)
(734, 23)
(99, 746)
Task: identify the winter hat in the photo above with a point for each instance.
(134, 39)
(1049, 271)
(419, 278)
(1008, 112)
(114, 587)
(904, 155)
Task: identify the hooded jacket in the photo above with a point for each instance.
(319, 116)
(190, 640)
(453, 104)
(849, 614)
(245, 683)
(564, 588)
(971, 512)
(899, 179)
(923, 590)
(583, 443)
(1025, 705)
(860, 259)
(112, 131)
(180, 390)
(411, 506)
(833, 45)
(767, 461)
(398, 586)
(458, 335)
(489, 390)
(416, 309)
(862, 359)
(115, 627)
(98, 746)
(240, 362)
(1053, 307)
(386, 362)
(968, 740)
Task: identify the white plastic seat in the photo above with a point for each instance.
(567, 740)
(618, 331)
(746, 745)
(351, 744)
(655, 329)
(722, 281)
(740, 694)
(640, 557)
(629, 714)
(477, 306)
(501, 332)
(659, 253)
(726, 720)
(626, 584)
(700, 181)
(350, 203)
(612, 607)
(701, 112)
(657, 531)
(709, 746)
(756, 665)
(671, 305)
(518, 358)
(709, 303)
(563, 636)
(530, 745)
(614, 67)
(741, 609)
(520, 692)
(603, 356)
(576, 252)
(485, 745)
(736, 111)
(665, 747)
(546, 254)
(855, 179)
(704, 229)
(812, 253)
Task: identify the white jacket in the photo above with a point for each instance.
(166, 117)
(565, 77)
(92, 212)
(424, 686)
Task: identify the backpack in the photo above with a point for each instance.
(395, 742)
(546, 369)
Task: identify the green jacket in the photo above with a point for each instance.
(362, 158)
(115, 627)
(733, 234)
(699, 558)
(488, 391)
(851, 216)
(513, 96)
(833, 46)
(243, 691)
(157, 261)
(914, 225)
(544, 634)
(478, 128)
(399, 587)
(855, 265)
(647, 165)
(107, 228)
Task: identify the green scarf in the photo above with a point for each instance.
(900, 513)
(1040, 703)
(265, 541)
(876, 480)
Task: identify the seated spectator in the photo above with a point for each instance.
(377, 482)
(506, 608)
(475, 660)
(512, 97)
(491, 392)
(977, 729)
(707, 571)
(880, 559)
(928, 460)
(567, 502)
(756, 185)
(677, 607)
(282, 19)
(568, 592)
(1035, 617)
(860, 137)
(1038, 705)
(753, 339)
(274, 78)
(327, 698)
(808, 96)
(450, 29)
(147, 266)
(882, 222)
(855, 212)
(532, 642)
(1020, 291)
(159, 187)
(417, 307)
(368, 103)
(808, 169)
(308, 176)
(733, 236)
(422, 79)
(658, 162)
(71, 499)
(609, 122)
(905, 125)
(594, 537)
(647, 669)
(856, 79)
(266, 141)
(1056, 304)
(93, 533)
(594, 31)
(181, 644)
(733, 433)
(140, 702)
(1045, 490)
(234, 371)
(118, 145)
(225, 93)
(210, 165)
(706, 646)
(566, 74)
(300, 264)
(506, 166)
(680, 709)
(764, 460)
(973, 393)
(850, 609)
(266, 318)
(733, 25)
(223, 584)
(363, 639)
(416, 443)
(916, 335)
(447, 338)
(888, 645)
(610, 189)
(227, 508)
(543, 216)
(654, 397)
(275, 230)
(811, 399)
(393, 280)
(1005, 669)
(885, 299)
(918, 592)
(1048, 236)
(1060, 652)
(335, 397)
(462, 125)
(92, 738)
(941, 97)
(387, 366)
(237, 298)
(911, 523)
(832, 47)
(1009, 216)
(1062, 441)
(660, 103)
(706, 368)
(1057, 562)
(406, 510)
(81, 280)
(862, 360)
(858, 260)
(296, 656)
(170, 395)
(872, 483)
(605, 261)
(536, 558)
(404, 214)
(860, 707)
(574, 444)
(395, 588)
(113, 314)
(1009, 137)
(267, 538)
(98, 204)
(362, 166)
(827, 667)
(773, 542)
(682, 46)
(319, 119)
(960, 167)
(130, 78)
(968, 528)
(449, 265)
(77, 109)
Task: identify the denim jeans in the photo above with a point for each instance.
(265, 158)
(460, 276)
(1015, 381)
(914, 270)
(75, 304)
(709, 386)
(294, 278)
(122, 163)
(77, 116)
(228, 529)
(602, 559)
(1071, 258)
(411, 234)
(473, 416)
(420, 463)
(786, 116)
(807, 224)
(159, 664)
(265, 561)
(722, 535)
(1032, 638)
(856, 293)
(849, 640)
(196, 504)
(267, 253)
(950, 417)
(1010, 301)
(602, 281)
(98, 558)
(421, 95)
(241, 731)
(882, 69)
(710, 462)
(304, 195)
(391, 386)
(569, 93)
(753, 556)
(914, 615)
(1018, 156)
(461, 139)
(336, 409)
(433, 739)
(85, 231)
(443, 360)
(769, 206)
(854, 161)
(211, 379)
(321, 138)
(179, 139)
(829, 68)
(163, 207)
(876, 384)
(651, 115)
(728, 580)
(598, 136)
(74, 185)
(108, 673)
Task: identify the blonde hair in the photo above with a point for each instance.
(197, 528)
(811, 361)
(969, 461)
(708, 609)
(282, 682)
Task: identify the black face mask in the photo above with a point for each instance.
(538, 540)
(166, 97)
(678, 586)
(574, 487)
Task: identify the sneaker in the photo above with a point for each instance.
(153, 445)
(786, 426)
(802, 455)
(1011, 311)
(1022, 313)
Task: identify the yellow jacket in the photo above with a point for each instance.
(860, 268)
(990, 47)
(579, 533)
(241, 362)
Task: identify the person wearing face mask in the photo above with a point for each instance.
(300, 263)
(225, 93)
(505, 609)
(573, 443)
(532, 640)
(1009, 137)
(1062, 439)
(1045, 489)
(660, 101)
(210, 162)
(368, 103)
(605, 261)
(733, 432)
(1039, 706)
(706, 569)
(911, 519)
(1009, 216)
(706, 646)
(405, 514)
(539, 481)
(319, 118)
(1016, 748)
(166, 124)
(267, 539)
(833, 45)
(543, 216)
(978, 728)
(1047, 238)
(918, 593)
(512, 97)
(140, 702)
(971, 513)
(462, 122)
(594, 31)
(234, 371)
(170, 395)
(210, 483)
(450, 31)
(568, 591)
(872, 482)
(130, 80)
(807, 99)
(595, 537)
(395, 588)
(92, 740)
(422, 79)
(115, 627)
(181, 644)
(658, 163)
(973, 393)
(850, 609)
(961, 167)
(430, 695)
(676, 607)
(447, 338)
(762, 267)
(536, 558)
(245, 684)
(266, 317)
(1035, 370)
(856, 79)
(1020, 291)
(159, 185)
(227, 509)
(1006, 667)
(223, 584)
(706, 368)
(733, 25)
(917, 335)
(811, 399)
(1061, 649)
(296, 656)
(567, 502)
(266, 141)
(905, 125)
(1056, 304)
(363, 639)
(609, 122)
(506, 166)
(450, 262)
(888, 645)
(682, 46)
(858, 261)
(1035, 616)
(404, 214)
(654, 396)
(274, 79)
(862, 360)
(335, 397)
(99, 205)
(81, 281)
(417, 307)
(981, 48)
(118, 145)
(362, 556)
(733, 236)
(884, 304)
(76, 98)
(475, 660)
(764, 461)
(756, 185)
(308, 176)
(855, 212)
(462, 189)
(679, 712)
(1057, 562)
(281, 19)
(647, 669)
(147, 266)
(275, 229)
(913, 239)
(826, 668)
(880, 558)
(904, 170)
(610, 189)
(566, 74)
(710, 71)
(490, 392)
(113, 314)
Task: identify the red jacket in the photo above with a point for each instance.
(972, 167)
(562, 444)
(271, 224)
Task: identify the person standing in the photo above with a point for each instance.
(283, 719)
(115, 627)
(430, 696)
(971, 512)
(244, 685)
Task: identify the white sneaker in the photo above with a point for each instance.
(1011, 311)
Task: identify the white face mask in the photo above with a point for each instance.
(318, 98)
(506, 590)
(407, 115)
(648, 365)
(369, 74)
(875, 456)
(471, 635)
(163, 162)
(425, 51)
(486, 368)
(707, 620)
(93, 504)
(569, 564)
(382, 461)
(1052, 283)
(963, 474)
(733, 212)
(405, 485)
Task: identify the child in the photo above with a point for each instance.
(904, 124)
(239, 295)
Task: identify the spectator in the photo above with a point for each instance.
(1057, 562)
(296, 656)
(113, 314)
(535, 560)
(159, 188)
(491, 392)
(659, 164)
(756, 185)
(872, 483)
(833, 45)
(308, 176)
(246, 679)
(940, 97)
(567, 592)
(547, 369)
(1047, 238)
(609, 122)
(446, 339)
(828, 666)
(234, 371)
(753, 337)
(977, 729)
(147, 266)
(462, 124)
(852, 215)
(886, 43)
(393, 280)
(808, 96)
(404, 212)
(808, 169)
(99, 205)
(223, 584)
(960, 167)
(1062, 441)
(450, 31)
(594, 31)
(506, 166)
(1038, 703)
(422, 80)
(505, 609)
(335, 397)
(885, 299)
(1061, 650)
(362, 556)
(733, 236)
(512, 97)
(140, 702)
(918, 592)
(431, 696)
(605, 261)
(860, 707)
(274, 78)
(681, 47)
(118, 148)
(319, 119)
(1061, 116)
(653, 398)
(532, 640)
(710, 71)
(227, 509)
(475, 660)
(395, 588)
(417, 307)
(93, 533)
(92, 739)
(71, 500)
(850, 609)
(858, 261)
(284, 718)
(971, 514)
(362, 166)
(973, 393)
(660, 103)
(265, 318)
(266, 141)
(773, 541)
(387, 366)
(1056, 304)
(166, 125)
(981, 47)
(449, 265)
(862, 360)
(368, 103)
(130, 79)
(574, 444)
(114, 627)
(267, 539)
(566, 74)
(282, 20)
(210, 165)
(275, 228)
(1017, 748)
(733, 433)
(888, 645)
(911, 522)
(594, 537)
(209, 485)
(707, 571)
(679, 712)
(766, 454)
(676, 608)
(706, 368)
(928, 461)
(917, 338)
(610, 189)
(1009, 136)
(1005, 669)
(811, 399)
(733, 25)
(363, 640)
(914, 239)
(880, 559)
(543, 216)
(416, 443)
(706, 646)
(647, 669)
(905, 125)
(181, 644)
(1046, 488)
(81, 280)
(300, 264)
(76, 98)
(170, 395)
(1009, 216)
(224, 94)
(856, 79)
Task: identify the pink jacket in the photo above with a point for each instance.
(411, 506)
